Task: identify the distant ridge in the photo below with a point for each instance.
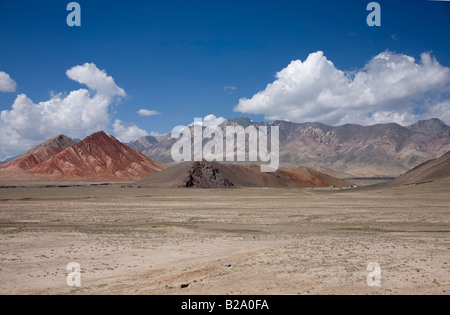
(430, 171)
(384, 150)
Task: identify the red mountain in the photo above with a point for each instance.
(38, 154)
(99, 157)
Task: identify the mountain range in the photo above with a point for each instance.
(312, 155)
(384, 150)
(98, 157)
(102, 158)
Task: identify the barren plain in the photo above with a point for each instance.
(180, 241)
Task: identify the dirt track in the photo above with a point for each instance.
(278, 241)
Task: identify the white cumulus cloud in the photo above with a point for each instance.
(95, 79)
(156, 134)
(128, 133)
(147, 112)
(390, 88)
(210, 121)
(77, 114)
(7, 85)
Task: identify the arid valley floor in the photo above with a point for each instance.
(277, 241)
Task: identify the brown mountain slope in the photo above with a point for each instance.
(386, 150)
(218, 175)
(99, 157)
(307, 177)
(428, 172)
(39, 154)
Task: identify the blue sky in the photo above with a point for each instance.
(177, 57)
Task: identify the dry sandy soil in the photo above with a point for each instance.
(278, 241)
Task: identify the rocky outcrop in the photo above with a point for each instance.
(205, 175)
